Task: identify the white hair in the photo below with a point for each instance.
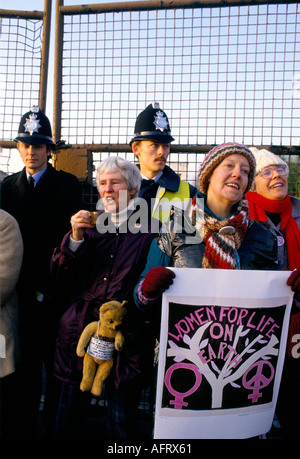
(129, 171)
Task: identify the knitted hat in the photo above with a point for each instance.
(265, 158)
(216, 156)
(35, 128)
(152, 124)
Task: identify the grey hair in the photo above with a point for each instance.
(129, 171)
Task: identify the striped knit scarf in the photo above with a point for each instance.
(222, 237)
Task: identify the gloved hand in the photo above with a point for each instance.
(157, 280)
(294, 282)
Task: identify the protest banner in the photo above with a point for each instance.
(222, 347)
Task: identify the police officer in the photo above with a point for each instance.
(161, 187)
(151, 145)
(42, 200)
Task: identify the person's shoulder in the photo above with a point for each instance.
(171, 181)
(8, 222)
(262, 232)
(12, 178)
(255, 225)
(63, 175)
(295, 201)
(295, 209)
(259, 247)
(170, 174)
(68, 176)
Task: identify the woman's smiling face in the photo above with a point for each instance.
(274, 187)
(227, 184)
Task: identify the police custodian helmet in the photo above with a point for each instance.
(35, 128)
(152, 124)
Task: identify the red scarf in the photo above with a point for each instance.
(258, 206)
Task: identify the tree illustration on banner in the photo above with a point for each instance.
(221, 357)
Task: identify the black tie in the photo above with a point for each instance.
(147, 183)
(148, 192)
(31, 183)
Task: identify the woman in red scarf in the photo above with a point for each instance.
(269, 202)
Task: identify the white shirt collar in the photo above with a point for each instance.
(156, 178)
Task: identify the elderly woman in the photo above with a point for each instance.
(222, 234)
(94, 265)
(270, 202)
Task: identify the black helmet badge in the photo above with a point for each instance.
(161, 121)
(33, 123)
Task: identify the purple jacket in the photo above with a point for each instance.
(105, 267)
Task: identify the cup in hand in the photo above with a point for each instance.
(94, 215)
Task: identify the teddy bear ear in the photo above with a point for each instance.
(104, 307)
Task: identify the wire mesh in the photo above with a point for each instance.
(293, 162)
(221, 74)
(20, 62)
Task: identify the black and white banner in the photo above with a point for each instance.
(222, 347)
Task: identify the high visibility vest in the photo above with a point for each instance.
(165, 200)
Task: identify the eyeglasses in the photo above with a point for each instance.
(267, 172)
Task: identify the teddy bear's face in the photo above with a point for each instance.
(112, 316)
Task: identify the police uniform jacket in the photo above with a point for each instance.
(43, 215)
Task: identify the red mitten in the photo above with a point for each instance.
(294, 282)
(157, 280)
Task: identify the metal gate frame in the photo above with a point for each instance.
(62, 10)
(45, 16)
(84, 152)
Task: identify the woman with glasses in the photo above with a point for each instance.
(269, 201)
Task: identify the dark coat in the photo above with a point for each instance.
(43, 216)
(185, 249)
(105, 267)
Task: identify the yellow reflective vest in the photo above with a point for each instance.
(165, 200)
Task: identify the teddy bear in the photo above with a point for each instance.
(97, 344)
